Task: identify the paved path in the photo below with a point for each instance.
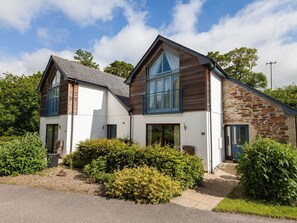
(215, 187)
(24, 204)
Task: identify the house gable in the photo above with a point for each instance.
(265, 116)
(193, 77)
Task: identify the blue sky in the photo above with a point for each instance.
(32, 30)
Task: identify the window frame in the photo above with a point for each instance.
(153, 93)
(110, 131)
(163, 127)
(53, 95)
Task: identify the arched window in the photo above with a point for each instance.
(53, 101)
(163, 84)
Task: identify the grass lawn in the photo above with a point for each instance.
(234, 203)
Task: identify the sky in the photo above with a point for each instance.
(32, 30)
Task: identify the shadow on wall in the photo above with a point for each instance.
(98, 129)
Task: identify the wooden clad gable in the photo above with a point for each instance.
(194, 80)
(65, 91)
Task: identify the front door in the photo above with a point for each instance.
(236, 137)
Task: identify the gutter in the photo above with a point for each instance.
(130, 130)
(72, 116)
(210, 119)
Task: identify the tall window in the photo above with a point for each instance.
(111, 131)
(51, 137)
(163, 84)
(165, 134)
(54, 95)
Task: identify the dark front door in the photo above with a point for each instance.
(51, 137)
(236, 137)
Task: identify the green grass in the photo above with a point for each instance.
(235, 203)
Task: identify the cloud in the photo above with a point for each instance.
(18, 14)
(269, 26)
(29, 63)
(185, 17)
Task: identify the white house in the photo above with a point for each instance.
(174, 96)
(99, 109)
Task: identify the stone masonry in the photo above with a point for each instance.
(264, 118)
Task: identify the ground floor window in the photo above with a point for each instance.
(165, 134)
(111, 131)
(51, 137)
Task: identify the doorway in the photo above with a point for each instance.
(235, 137)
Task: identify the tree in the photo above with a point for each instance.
(119, 68)
(286, 94)
(19, 104)
(239, 63)
(85, 58)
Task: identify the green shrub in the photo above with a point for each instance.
(118, 155)
(268, 171)
(97, 170)
(22, 156)
(182, 167)
(6, 139)
(91, 149)
(143, 185)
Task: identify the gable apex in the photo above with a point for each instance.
(203, 60)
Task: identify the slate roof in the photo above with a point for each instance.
(74, 71)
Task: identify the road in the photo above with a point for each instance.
(25, 204)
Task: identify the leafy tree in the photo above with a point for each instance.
(85, 58)
(286, 94)
(19, 104)
(119, 68)
(239, 63)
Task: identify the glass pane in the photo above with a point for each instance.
(152, 86)
(166, 66)
(228, 141)
(176, 135)
(159, 85)
(159, 101)
(175, 82)
(171, 135)
(242, 135)
(167, 93)
(154, 134)
(151, 102)
(49, 136)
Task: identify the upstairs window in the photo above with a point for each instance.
(53, 101)
(165, 63)
(163, 93)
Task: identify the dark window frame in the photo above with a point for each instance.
(163, 127)
(53, 141)
(110, 131)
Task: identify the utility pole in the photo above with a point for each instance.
(270, 63)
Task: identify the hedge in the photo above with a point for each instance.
(268, 171)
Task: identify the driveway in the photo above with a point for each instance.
(26, 204)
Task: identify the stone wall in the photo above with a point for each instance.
(264, 118)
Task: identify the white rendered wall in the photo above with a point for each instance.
(218, 152)
(193, 130)
(118, 115)
(62, 130)
(91, 117)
